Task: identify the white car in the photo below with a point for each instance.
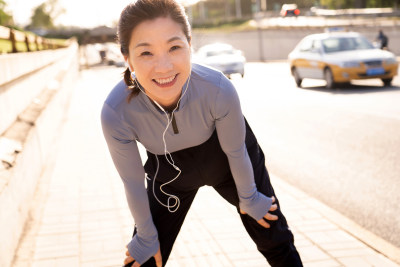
(222, 57)
(114, 55)
(339, 57)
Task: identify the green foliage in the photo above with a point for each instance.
(44, 15)
(41, 18)
(277, 4)
(381, 3)
(337, 4)
(6, 47)
(5, 18)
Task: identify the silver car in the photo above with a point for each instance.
(222, 57)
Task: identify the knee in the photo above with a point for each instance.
(282, 255)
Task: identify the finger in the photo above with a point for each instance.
(136, 264)
(128, 260)
(127, 253)
(242, 212)
(273, 207)
(263, 223)
(158, 258)
(271, 217)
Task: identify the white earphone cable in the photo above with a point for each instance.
(167, 154)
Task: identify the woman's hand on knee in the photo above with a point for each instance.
(130, 259)
(268, 216)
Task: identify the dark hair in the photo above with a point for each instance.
(142, 10)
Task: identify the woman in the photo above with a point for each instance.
(188, 118)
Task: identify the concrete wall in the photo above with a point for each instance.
(18, 183)
(15, 65)
(22, 77)
(278, 43)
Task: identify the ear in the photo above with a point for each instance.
(128, 63)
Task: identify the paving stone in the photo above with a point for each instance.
(351, 252)
(57, 262)
(312, 253)
(323, 263)
(355, 262)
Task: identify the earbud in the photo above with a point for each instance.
(158, 105)
(140, 88)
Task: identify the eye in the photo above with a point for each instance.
(175, 47)
(145, 53)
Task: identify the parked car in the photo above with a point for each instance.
(222, 57)
(288, 10)
(114, 55)
(339, 57)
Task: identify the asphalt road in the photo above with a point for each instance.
(340, 146)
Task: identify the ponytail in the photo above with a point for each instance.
(132, 85)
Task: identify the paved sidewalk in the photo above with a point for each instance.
(80, 216)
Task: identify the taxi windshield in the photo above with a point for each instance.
(339, 44)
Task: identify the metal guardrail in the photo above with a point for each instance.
(354, 11)
(32, 42)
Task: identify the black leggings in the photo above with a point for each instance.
(207, 164)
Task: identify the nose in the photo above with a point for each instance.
(164, 64)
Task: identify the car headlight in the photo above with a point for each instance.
(350, 64)
(390, 61)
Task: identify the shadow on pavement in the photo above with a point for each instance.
(352, 89)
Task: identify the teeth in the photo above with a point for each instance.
(164, 81)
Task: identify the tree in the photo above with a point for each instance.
(359, 3)
(5, 18)
(41, 18)
(44, 15)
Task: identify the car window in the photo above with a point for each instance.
(340, 44)
(363, 43)
(331, 45)
(306, 45)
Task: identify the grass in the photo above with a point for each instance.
(5, 45)
(60, 42)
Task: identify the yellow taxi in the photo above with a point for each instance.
(339, 57)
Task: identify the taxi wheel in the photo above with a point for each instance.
(328, 76)
(297, 77)
(387, 82)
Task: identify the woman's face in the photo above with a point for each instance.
(159, 54)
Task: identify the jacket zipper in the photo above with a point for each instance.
(174, 125)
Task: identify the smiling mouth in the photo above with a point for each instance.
(165, 82)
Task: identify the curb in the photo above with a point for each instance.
(349, 226)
